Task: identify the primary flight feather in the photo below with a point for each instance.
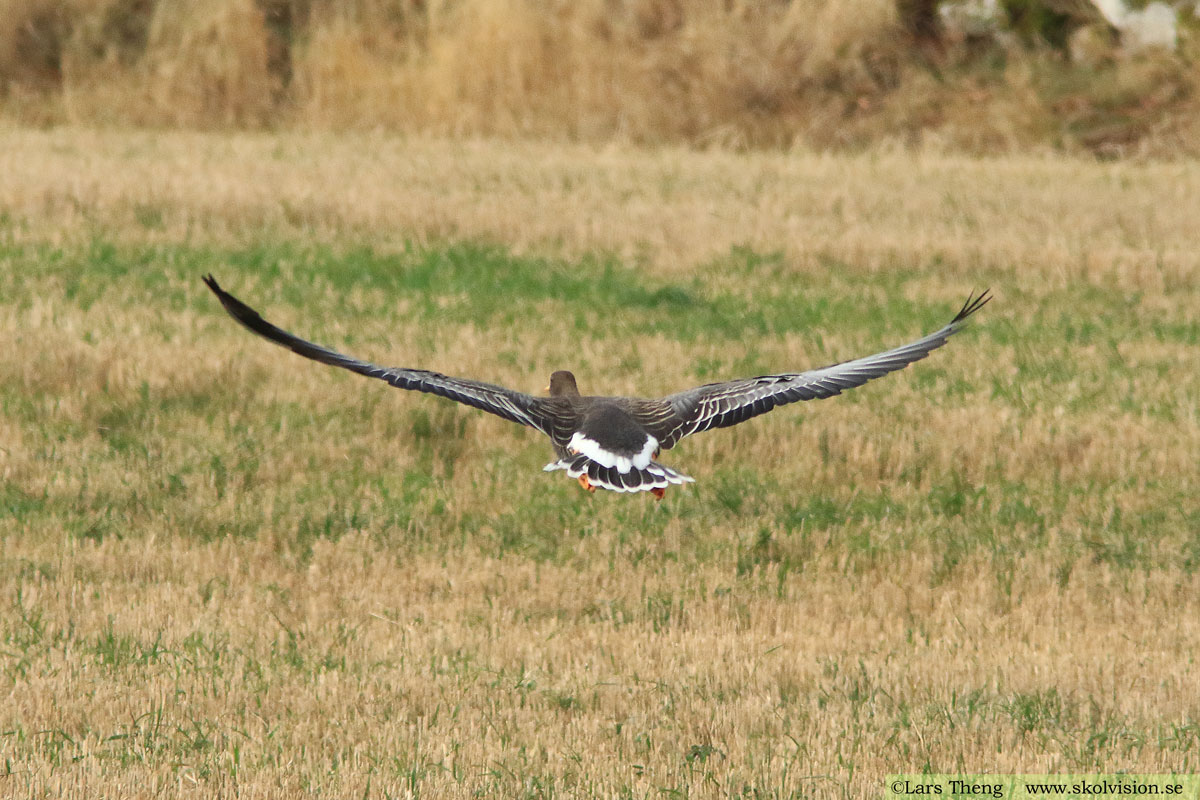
(612, 442)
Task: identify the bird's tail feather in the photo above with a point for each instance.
(652, 476)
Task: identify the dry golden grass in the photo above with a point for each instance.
(228, 572)
(829, 74)
(1056, 219)
(647, 69)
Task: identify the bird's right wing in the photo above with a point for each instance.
(511, 405)
(719, 405)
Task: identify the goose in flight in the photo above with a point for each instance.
(612, 442)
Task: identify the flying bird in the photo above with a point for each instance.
(612, 442)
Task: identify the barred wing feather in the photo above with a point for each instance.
(511, 405)
(719, 405)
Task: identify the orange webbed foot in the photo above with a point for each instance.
(585, 483)
(659, 494)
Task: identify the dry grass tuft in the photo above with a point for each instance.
(701, 71)
(815, 73)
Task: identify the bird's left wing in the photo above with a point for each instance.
(511, 405)
(719, 405)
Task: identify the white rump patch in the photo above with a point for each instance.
(606, 458)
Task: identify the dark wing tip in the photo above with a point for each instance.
(221, 294)
(972, 305)
(236, 308)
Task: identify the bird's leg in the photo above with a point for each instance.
(585, 483)
(658, 493)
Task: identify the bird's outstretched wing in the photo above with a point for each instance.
(719, 405)
(511, 405)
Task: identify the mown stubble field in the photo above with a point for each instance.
(227, 571)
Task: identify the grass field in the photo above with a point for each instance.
(227, 571)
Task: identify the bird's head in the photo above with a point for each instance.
(562, 384)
